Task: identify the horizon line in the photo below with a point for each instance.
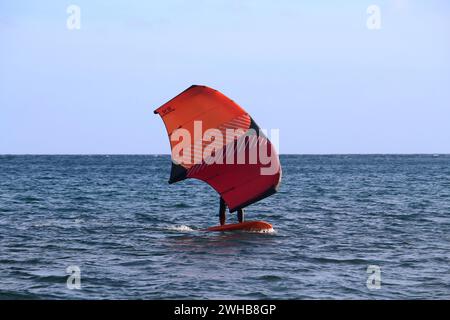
(168, 154)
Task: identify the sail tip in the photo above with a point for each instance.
(156, 111)
(177, 173)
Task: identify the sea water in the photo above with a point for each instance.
(339, 221)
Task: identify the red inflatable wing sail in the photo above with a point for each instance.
(214, 140)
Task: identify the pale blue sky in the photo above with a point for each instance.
(310, 68)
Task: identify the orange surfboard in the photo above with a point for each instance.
(246, 226)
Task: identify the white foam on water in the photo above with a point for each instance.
(182, 228)
(271, 230)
